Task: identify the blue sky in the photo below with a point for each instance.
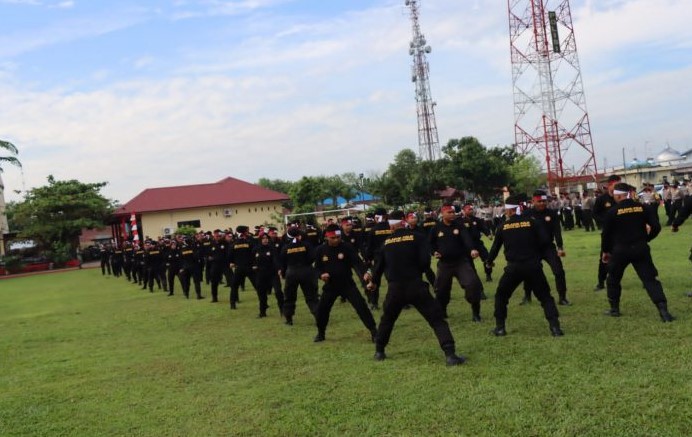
(157, 93)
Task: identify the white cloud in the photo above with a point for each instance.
(304, 97)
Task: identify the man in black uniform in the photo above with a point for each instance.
(105, 254)
(216, 260)
(172, 257)
(476, 227)
(601, 206)
(264, 270)
(523, 241)
(451, 244)
(334, 261)
(190, 267)
(403, 259)
(548, 219)
(627, 229)
(128, 261)
(277, 242)
(117, 261)
(295, 263)
(241, 261)
(153, 259)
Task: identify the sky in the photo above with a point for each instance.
(156, 93)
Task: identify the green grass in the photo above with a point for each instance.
(82, 354)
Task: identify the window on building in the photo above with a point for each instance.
(190, 223)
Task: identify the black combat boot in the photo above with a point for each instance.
(663, 311)
(499, 330)
(319, 337)
(555, 330)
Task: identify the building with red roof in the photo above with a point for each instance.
(225, 204)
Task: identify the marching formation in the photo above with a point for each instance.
(400, 247)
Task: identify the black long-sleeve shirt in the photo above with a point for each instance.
(453, 242)
(298, 254)
(602, 205)
(241, 252)
(404, 257)
(522, 238)
(625, 224)
(549, 220)
(338, 261)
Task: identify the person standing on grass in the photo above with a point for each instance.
(240, 259)
(548, 220)
(264, 268)
(334, 261)
(403, 259)
(524, 242)
(601, 206)
(190, 267)
(452, 245)
(295, 264)
(627, 230)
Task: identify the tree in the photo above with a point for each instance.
(12, 149)
(280, 186)
(306, 194)
(526, 174)
(60, 210)
(477, 169)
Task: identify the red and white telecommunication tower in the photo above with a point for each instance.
(428, 141)
(550, 115)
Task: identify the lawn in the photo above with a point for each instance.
(84, 355)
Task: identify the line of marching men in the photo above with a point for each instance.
(392, 245)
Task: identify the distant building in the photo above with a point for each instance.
(220, 205)
(669, 165)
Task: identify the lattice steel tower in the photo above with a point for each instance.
(428, 141)
(549, 104)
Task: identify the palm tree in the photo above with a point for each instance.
(6, 145)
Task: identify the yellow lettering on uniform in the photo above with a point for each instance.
(297, 249)
(395, 240)
(187, 252)
(383, 232)
(241, 246)
(517, 225)
(630, 210)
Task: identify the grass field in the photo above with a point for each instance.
(87, 355)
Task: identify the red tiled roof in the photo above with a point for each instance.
(228, 191)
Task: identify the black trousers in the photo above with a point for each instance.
(467, 277)
(530, 272)
(639, 255)
(158, 274)
(264, 280)
(549, 255)
(171, 272)
(117, 268)
(214, 274)
(307, 280)
(417, 294)
(105, 265)
(127, 268)
(241, 272)
(348, 289)
(193, 272)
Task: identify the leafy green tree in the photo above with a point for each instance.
(280, 186)
(60, 210)
(474, 168)
(6, 146)
(526, 174)
(307, 193)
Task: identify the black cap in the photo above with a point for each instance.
(380, 211)
(241, 229)
(293, 231)
(613, 178)
(514, 199)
